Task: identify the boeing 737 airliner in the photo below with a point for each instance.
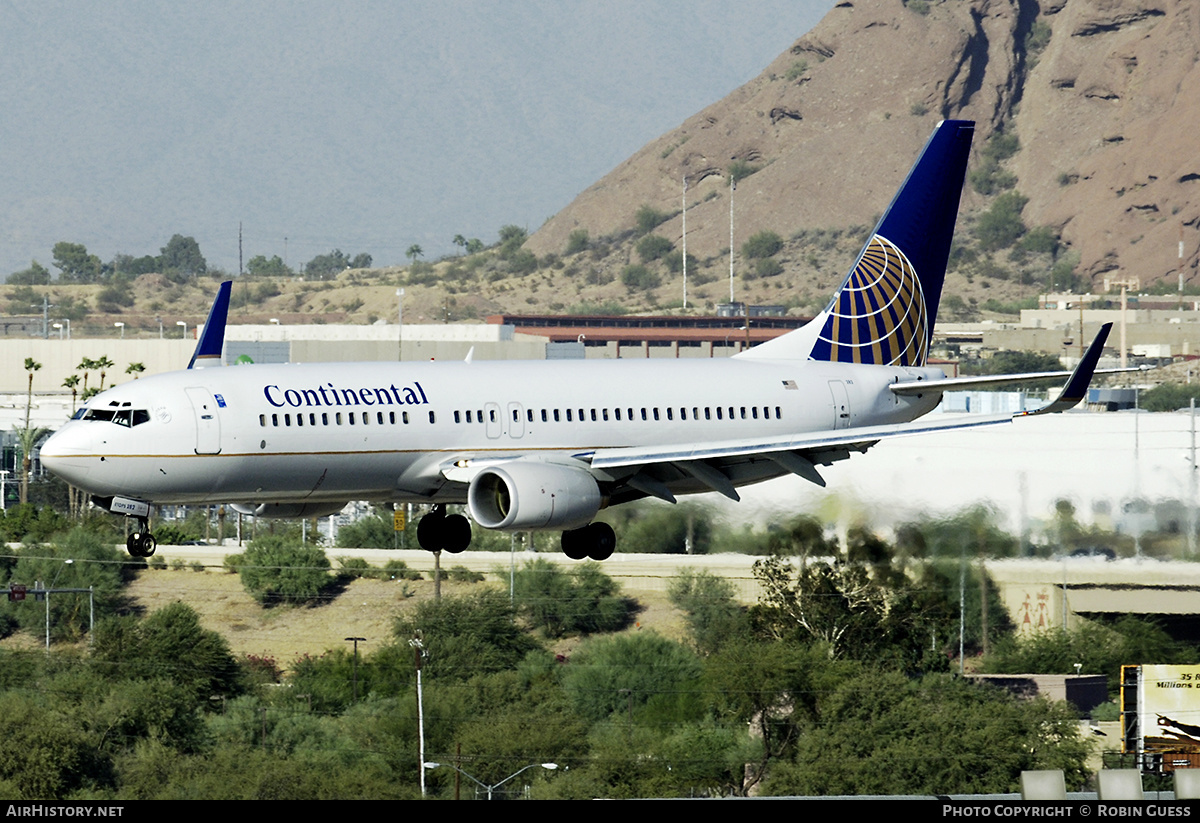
(547, 445)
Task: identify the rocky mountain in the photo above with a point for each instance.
(1101, 96)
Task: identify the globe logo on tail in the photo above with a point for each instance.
(878, 317)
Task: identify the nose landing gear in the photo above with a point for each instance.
(141, 543)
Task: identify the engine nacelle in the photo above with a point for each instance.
(523, 495)
(288, 510)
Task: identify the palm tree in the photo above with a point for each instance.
(135, 369)
(28, 436)
(414, 251)
(103, 364)
(72, 383)
(85, 366)
(460, 241)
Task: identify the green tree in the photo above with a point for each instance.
(644, 675)
(181, 258)
(35, 275)
(275, 570)
(583, 600)
(103, 364)
(260, 266)
(714, 618)
(29, 435)
(75, 560)
(135, 369)
(1169, 397)
(906, 724)
(1001, 225)
(463, 636)
(460, 241)
(414, 252)
(75, 264)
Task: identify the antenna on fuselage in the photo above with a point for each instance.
(212, 341)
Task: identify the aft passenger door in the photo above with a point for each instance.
(841, 404)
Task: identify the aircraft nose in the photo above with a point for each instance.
(66, 455)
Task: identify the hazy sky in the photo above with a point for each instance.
(366, 126)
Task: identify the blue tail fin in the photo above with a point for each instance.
(212, 340)
(884, 311)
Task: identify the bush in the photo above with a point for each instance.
(461, 574)
(639, 277)
(584, 600)
(763, 244)
(1001, 225)
(274, 570)
(652, 247)
(768, 267)
(646, 219)
(577, 241)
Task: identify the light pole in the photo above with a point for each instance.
(400, 321)
(120, 326)
(58, 326)
(184, 324)
(489, 789)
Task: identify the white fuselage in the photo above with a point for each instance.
(386, 431)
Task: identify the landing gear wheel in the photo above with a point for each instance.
(575, 543)
(141, 544)
(597, 541)
(429, 530)
(456, 533)
(603, 541)
(438, 531)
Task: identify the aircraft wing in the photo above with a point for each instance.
(650, 470)
(982, 381)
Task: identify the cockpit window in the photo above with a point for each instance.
(122, 417)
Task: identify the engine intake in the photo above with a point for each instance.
(533, 495)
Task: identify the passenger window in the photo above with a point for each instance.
(432, 418)
(456, 417)
(338, 418)
(262, 420)
(324, 418)
(556, 420)
(404, 417)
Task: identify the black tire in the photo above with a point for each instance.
(456, 533)
(133, 545)
(429, 532)
(575, 543)
(602, 541)
(149, 545)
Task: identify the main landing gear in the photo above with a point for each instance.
(596, 540)
(438, 531)
(141, 543)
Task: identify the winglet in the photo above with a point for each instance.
(212, 341)
(1080, 379)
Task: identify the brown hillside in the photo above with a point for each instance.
(1106, 105)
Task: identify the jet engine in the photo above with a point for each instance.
(522, 494)
(288, 510)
